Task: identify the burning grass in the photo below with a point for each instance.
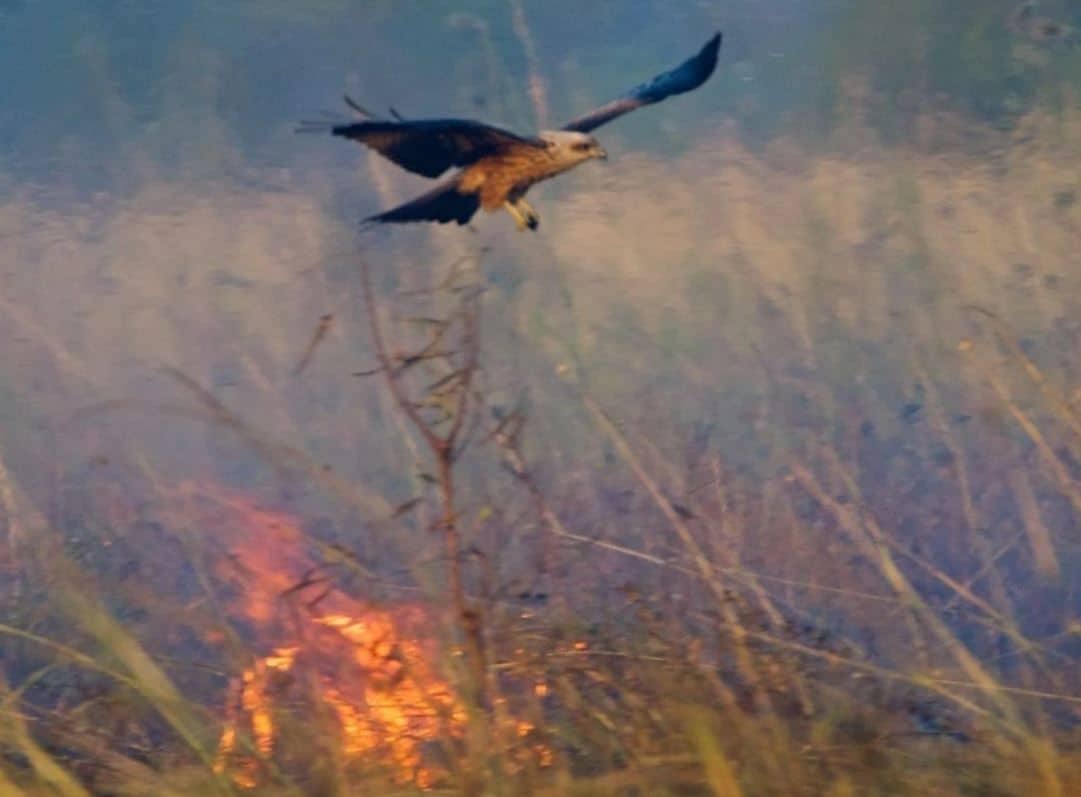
(852, 570)
(373, 668)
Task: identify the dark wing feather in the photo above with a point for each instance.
(443, 203)
(427, 146)
(688, 76)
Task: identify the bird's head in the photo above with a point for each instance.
(572, 146)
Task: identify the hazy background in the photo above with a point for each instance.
(773, 269)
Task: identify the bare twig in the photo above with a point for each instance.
(450, 393)
(325, 323)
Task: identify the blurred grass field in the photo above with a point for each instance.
(806, 421)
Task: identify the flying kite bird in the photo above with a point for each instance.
(497, 167)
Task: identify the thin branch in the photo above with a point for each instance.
(391, 374)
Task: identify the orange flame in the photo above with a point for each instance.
(364, 663)
(386, 700)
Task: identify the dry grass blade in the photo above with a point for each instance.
(67, 652)
(730, 604)
(874, 543)
(1059, 402)
(1039, 538)
(719, 772)
(698, 556)
(142, 671)
(1066, 482)
(15, 735)
(125, 775)
(370, 502)
(17, 516)
(8, 787)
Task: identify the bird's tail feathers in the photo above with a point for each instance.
(444, 203)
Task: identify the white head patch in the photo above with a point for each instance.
(573, 145)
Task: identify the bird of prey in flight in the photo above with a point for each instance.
(495, 166)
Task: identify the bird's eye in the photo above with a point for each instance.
(581, 146)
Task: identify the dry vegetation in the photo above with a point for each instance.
(769, 483)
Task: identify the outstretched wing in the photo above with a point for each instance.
(442, 204)
(688, 76)
(427, 146)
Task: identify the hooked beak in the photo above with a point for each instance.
(601, 153)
